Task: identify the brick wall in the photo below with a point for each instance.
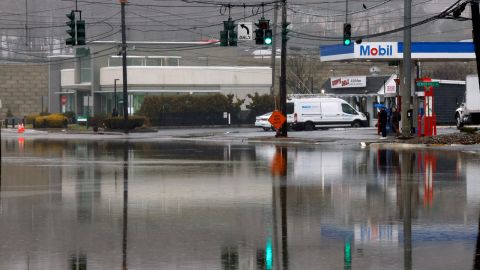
(22, 87)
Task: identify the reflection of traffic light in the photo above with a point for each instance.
(268, 37)
(347, 34)
(347, 252)
(265, 257)
(71, 29)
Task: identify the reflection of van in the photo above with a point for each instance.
(310, 112)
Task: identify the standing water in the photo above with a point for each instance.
(73, 204)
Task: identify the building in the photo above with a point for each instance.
(364, 92)
(89, 84)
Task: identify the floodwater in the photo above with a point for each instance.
(157, 205)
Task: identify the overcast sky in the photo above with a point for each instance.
(176, 20)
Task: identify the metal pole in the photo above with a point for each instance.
(274, 47)
(476, 33)
(405, 91)
(124, 69)
(346, 11)
(283, 71)
(115, 95)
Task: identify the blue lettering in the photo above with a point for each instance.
(365, 50)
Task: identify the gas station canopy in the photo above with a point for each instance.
(393, 51)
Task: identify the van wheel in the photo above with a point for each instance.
(458, 121)
(309, 126)
(356, 124)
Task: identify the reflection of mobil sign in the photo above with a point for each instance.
(367, 50)
(375, 50)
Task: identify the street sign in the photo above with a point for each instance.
(64, 100)
(277, 119)
(428, 84)
(244, 31)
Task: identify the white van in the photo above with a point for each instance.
(310, 112)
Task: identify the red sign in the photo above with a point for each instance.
(63, 99)
(277, 119)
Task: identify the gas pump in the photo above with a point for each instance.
(427, 121)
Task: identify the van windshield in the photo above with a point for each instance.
(348, 109)
(289, 108)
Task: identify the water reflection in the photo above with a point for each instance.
(209, 206)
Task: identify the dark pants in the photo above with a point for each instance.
(383, 128)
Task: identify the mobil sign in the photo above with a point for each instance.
(376, 50)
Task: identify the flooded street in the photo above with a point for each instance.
(75, 204)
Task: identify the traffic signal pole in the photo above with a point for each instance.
(283, 70)
(405, 89)
(124, 69)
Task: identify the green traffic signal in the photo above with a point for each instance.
(347, 34)
(268, 37)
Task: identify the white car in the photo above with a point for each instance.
(262, 121)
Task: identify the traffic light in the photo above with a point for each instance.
(81, 32)
(259, 36)
(263, 34)
(268, 37)
(232, 34)
(347, 34)
(228, 37)
(71, 31)
(224, 38)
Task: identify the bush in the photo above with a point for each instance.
(70, 116)
(95, 121)
(154, 107)
(117, 122)
(50, 121)
(39, 122)
(29, 119)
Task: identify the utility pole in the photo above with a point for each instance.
(405, 91)
(283, 71)
(274, 47)
(124, 69)
(476, 33)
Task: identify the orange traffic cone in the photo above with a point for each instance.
(21, 128)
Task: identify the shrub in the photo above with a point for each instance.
(70, 116)
(117, 122)
(39, 122)
(95, 121)
(29, 119)
(154, 107)
(56, 121)
(50, 121)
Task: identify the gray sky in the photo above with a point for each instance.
(176, 20)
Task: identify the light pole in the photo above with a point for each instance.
(115, 105)
(124, 68)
